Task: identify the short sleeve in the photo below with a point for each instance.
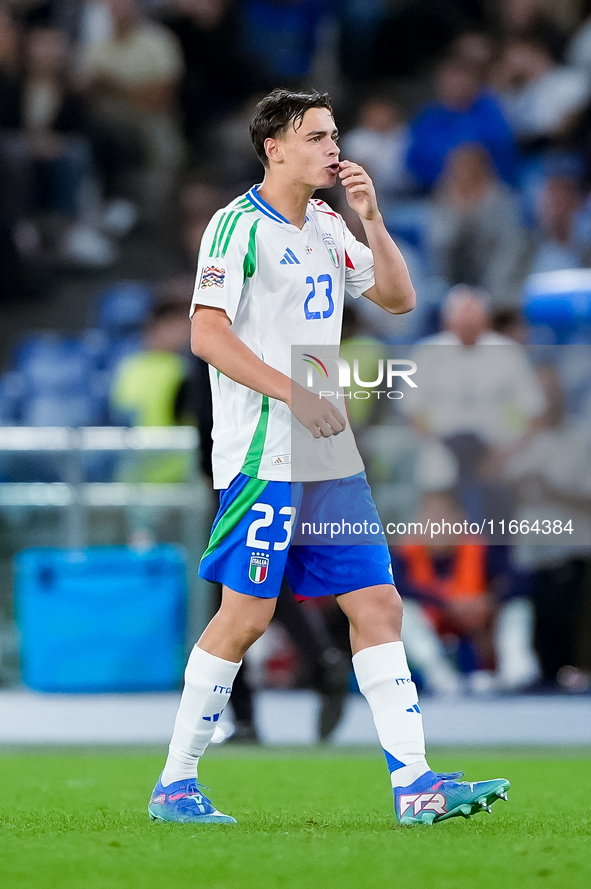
(223, 264)
(359, 274)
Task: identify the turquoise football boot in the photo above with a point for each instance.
(437, 797)
(182, 801)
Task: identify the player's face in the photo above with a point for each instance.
(310, 154)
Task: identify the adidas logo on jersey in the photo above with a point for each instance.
(289, 258)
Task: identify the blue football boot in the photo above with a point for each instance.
(436, 797)
(182, 801)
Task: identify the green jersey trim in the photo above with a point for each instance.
(253, 458)
(222, 220)
(235, 513)
(250, 260)
(225, 229)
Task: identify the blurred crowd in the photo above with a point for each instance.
(474, 115)
(129, 118)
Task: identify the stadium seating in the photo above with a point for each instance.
(65, 380)
(123, 308)
(560, 301)
(11, 392)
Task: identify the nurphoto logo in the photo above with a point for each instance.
(386, 373)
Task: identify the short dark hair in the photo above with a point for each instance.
(276, 111)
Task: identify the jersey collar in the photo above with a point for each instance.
(254, 197)
(259, 202)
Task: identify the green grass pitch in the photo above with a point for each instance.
(307, 820)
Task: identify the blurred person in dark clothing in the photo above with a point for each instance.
(12, 177)
(198, 200)
(478, 49)
(32, 12)
(463, 111)
(509, 322)
(15, 284)
(44, 122)
(218, 74)
(359, 25)
(563, 230)
(414, 33)
(544, 21)
(475, 236)
(9, 37)
(232, 147)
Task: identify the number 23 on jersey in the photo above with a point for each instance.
(319, 302)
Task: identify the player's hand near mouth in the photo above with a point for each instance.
(361, 194)
(393, 290)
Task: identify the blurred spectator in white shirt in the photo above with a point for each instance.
(132, 78)
(95, 23)
(469, 387)
(578, 53)
(479, 396)
(540, 97)
(380, 144)
(475, 236)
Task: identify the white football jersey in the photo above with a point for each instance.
(281, 287)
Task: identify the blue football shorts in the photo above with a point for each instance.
(325, 537)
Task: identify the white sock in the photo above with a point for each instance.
(384, 679)
(208, 683)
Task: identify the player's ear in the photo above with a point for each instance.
(273, 150)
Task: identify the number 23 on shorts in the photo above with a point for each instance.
(266, 521)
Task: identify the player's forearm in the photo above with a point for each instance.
(393, 289)
(219, 346)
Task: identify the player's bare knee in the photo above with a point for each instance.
(243, 618)
(386, 605)
(254, 626)
(255, 618)
(379, 615)
(396, 605)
